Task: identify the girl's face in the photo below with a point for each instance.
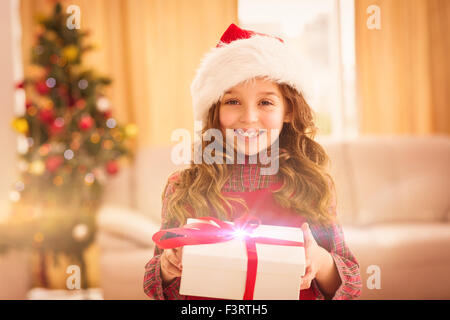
(253, 112)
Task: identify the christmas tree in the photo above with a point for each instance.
(69, 144)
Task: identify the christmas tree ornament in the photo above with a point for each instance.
(95, 138)
(44, 149)
(20, 85)
(83, 84)
(80, 104)
(131, 130)
(103, 104)
(68, 154)
(50, 82)
(80, 232)
(22, 144)
(86, 123)
(57, 126)
(111, 123)
(112, 167)
(46, 116)
(70, 53)
(58, 181)
(42, 88)
(37, 167)
(53, 163)
(31, 110)
(20, 125)
(89, 178)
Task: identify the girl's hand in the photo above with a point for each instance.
(171, 266)
(314, 257)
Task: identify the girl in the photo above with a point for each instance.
(248, 87)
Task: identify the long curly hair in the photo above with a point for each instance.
(307, 186)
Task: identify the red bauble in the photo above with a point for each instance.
(112, 167)
(42, 87)
(20, 85)
(56, 127)
(46, 116)
(86, 123)
(107, 114)
(53, 163)
(28, 104)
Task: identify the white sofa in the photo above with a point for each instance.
(393, 200)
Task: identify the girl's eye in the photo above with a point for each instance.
(266, 103)
(231, 102)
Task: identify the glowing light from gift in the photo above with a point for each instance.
(240, 233)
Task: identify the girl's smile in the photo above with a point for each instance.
(254, 113)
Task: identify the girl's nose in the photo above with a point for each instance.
(249, 114)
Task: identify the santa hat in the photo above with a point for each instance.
(241, 55)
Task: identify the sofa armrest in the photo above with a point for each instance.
(126, 225)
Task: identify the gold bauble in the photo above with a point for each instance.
(20, 125)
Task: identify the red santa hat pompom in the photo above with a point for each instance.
(242, 55)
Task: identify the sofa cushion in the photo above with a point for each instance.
(400, 179)
(413, 259)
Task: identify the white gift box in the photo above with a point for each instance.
(219, 270)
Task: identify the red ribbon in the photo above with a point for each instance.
(216, 231)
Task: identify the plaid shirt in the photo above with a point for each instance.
(247, 178)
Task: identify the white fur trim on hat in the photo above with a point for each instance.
(230, 64)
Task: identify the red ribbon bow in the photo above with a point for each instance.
(220, 231)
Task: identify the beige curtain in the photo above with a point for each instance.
(403, 70)
(151, 49)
